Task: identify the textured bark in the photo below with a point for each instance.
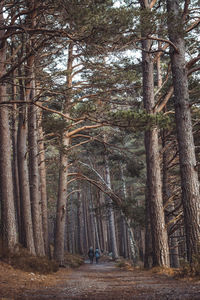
(14, 163)
(79, 224)
(43, 185)
(86, 243)
(127, 224)
(189, 175)
(6, 180)
(148, 236)
(174, 255)
(33, 143)
(34, 181)
(61, 203)
(111, 218)
(63, 173)
(26, 220)
(154, 182)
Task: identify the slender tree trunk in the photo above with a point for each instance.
(174, 256)
(33, 141)
(15, 165)
(86, 238)
(43, 185)
(154, 182)
(111, 217)
(148, 255)
(132, 242)
(188, 164)
(34, 182)
(6, 180)
(79, 223)
(63, 173)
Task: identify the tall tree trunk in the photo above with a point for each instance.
(33, 146)
(15, 165)
(174, 255)
(189, 175)
(61, 203)
(154, 182)
(133, 247)
(148, 255)
(6, 180)
(80, 224)
(111, 218)
(26, 218)
(63, 172)
(43, 185)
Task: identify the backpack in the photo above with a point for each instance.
(97, 254)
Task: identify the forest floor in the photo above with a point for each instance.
(104, 281)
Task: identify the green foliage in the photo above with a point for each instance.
(133, 167)
(140, 120)
(54, 124)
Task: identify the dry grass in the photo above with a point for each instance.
(73, 260)
(164, 271)
(125, 264)
(191, 270)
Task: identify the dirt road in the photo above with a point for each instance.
(105, 282)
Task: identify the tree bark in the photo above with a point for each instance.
(111, 218)
(33, 142)
(188, 164)
(43, 185)
(63, 173)
(6, 180)
(154, 182)
(26, 220)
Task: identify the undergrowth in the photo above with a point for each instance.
(23, 260)
(190, 269)
(73, 260)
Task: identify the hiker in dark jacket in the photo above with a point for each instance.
(91, 254)
(97, 255)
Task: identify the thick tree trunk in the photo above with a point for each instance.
(6, 180)
(61, 202)
(189, 175)
(154, 182)
(26, 217)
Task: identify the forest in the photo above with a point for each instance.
(99, 129)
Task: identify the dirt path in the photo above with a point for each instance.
(105, 282)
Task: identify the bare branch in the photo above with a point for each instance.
(153, 2)
(186, 6)
(71, 133)
(193, 25)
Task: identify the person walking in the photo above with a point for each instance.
(91, 254)
(97, 255)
